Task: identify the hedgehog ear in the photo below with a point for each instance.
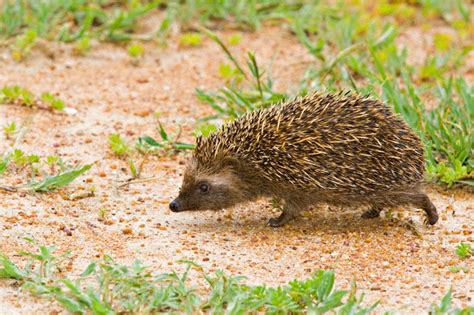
(231, 162)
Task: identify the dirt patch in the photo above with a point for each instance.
(388, 260)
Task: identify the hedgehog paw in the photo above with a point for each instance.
(275, 222)
(371, 214)
(282, 219)
(431, 220)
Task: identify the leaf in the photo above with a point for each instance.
(150, 141)
(183, 146)
(3, 166)
(386, 38)
(164, 135)
(58, 181)
(70, 304)
(334, 301)
(446, 302)
(133, 168)
(89, 270)
(340, 56)
(10, 270)
(217, 40)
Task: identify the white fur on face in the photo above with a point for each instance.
(221, 179)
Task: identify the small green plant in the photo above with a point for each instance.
(118, 145)
(448, 9)
(16, 95)
(234, 39)
(146, 145)
(456, 269)
(229, 73)
(48, 265)
(190, 39)
(133, 169)
(464, 250)
(55, 164)
(136, 51)
(167, 142)
(103, 213)
(53, 160)
(242, 14)
(24, 44)
(9, 130)
(83, 46)
(52, 101)
(21, 159)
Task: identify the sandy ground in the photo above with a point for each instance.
(386, 258)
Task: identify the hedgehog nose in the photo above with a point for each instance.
(174, 206)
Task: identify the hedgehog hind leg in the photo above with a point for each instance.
(420, 200)
(429, 208)
(372, 213)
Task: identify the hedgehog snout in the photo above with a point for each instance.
(174, 205)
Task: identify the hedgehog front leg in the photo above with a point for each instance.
(290, 211)
(284, 217)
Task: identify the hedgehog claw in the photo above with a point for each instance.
(275, 222)
(281, 220)
(430, 220)
(371, 214)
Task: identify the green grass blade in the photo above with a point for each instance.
(58, 181)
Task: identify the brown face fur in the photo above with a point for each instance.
(209, 188)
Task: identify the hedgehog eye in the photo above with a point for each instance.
(204, 187)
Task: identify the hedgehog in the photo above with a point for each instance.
(340, 149)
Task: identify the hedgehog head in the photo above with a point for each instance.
(210, 183)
